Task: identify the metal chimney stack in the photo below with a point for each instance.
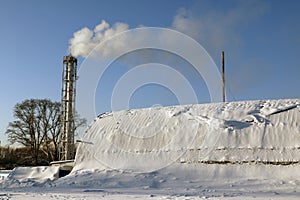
(69, 77)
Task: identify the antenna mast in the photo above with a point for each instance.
(223, 77)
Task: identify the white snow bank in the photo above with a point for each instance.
(4, 174)
(234, 150)
(175, 175)
(144, 140)
(30, 176)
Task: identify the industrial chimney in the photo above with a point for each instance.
(69, 77)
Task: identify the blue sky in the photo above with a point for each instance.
(261, 40)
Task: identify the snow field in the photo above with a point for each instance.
(236, 150)
(146, 140)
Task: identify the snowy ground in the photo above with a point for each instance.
(238, 150)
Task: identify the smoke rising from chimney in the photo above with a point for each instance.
(85, 40)
(213, 29)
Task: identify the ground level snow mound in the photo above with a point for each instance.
(216, 151)
(145, 140)
(30, 176)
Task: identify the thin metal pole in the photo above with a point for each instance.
(223, 76)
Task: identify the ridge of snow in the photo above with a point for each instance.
(142, 140)
(236, 150)
(30, 176)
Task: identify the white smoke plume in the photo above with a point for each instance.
(222, 30)
(213, 29)
(219, 30)
(85, 40)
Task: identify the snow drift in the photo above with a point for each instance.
(144, 140)
(30, 176)
(235, 149)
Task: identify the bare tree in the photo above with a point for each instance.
(50, 126)
(38, 126)
(25, 130)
